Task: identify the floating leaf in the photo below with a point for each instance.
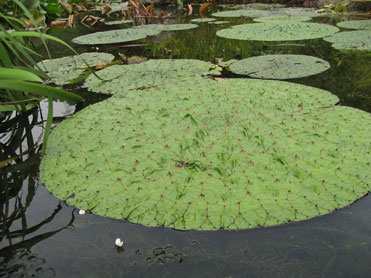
(279, 66)
(202, 20)
(151, 73)
(117, 22)
(201, 154)
(280, 18)
(218, 22)
(240, 13)
(116, 36)
(63, 70)
(278, 31)
(351, 40)
(355, 24)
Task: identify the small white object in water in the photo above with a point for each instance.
(119, 242)
(81, 212)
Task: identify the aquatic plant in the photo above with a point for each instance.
(203, 154)
(280, 18)
(351, 40)
(130, 34)
(202, 20)
(355, 24)
(123, 78)
(63, 70)
(240, 13)
(279, 66)
(117, 22)
(278, 31)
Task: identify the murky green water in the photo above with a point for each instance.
(42, 237)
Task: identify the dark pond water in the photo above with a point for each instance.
(43, 237)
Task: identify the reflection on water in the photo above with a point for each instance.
(42, 237)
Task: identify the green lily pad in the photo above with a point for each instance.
(351, 40)
(219, 22)
(123, 78)
(115, 36)
(117, 22)
(278, 31)
(63, 70)
(236, 154)
(356, 24)
(240, 13)
(279, 66)
(202, 20)
(280, 18)
(166, 27)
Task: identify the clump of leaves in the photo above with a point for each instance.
(279, 66)
(201, 154)
(278, 31)
(61, 71)
(351, 40)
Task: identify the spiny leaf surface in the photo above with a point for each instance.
(216, 155)
(355, 24)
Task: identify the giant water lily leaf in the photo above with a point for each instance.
(278, 31)
(355, 24)
(280, 18)
(115, 36)
(63, 70)
(123, 78)
(166, 27)
(240, 13)
(117, 22)
(279, 66)
(351, 40)
(225, 155)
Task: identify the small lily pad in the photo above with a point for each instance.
(240, 13)
(280, 18)
(202, 20)
(116, 36)
(218, 22)
(278, 31)
(63, 70)
(356, 24)
(279, 66)
(351, 40)
(166, 27)
(123, 78)
(117, 22)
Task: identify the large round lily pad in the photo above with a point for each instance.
(62, 70)
(278, 31)
(280, 18)
(240, 13)
(152, 73)
(217, 155)
(115, 36)
(355, 24)
(351, 40)
(279, 66)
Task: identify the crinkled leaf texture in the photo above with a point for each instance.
(279, 66)
(351, 40)
(278, 31)
(63, 70)
(240, 13)
(281, 18)
(200, 154)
